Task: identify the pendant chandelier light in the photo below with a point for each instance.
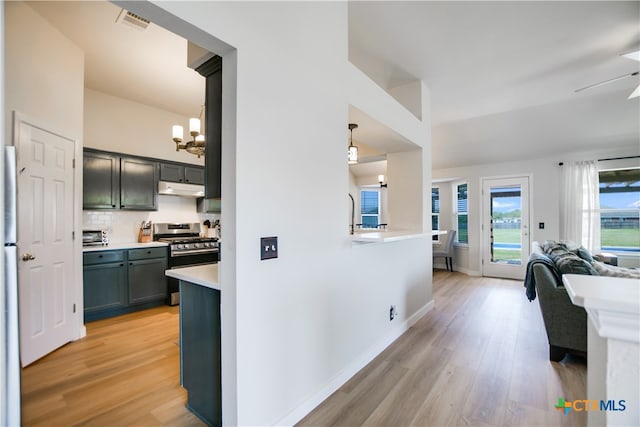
(196, 145)
(353, 150)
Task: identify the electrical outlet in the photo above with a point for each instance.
(392, 313)
(268, 247)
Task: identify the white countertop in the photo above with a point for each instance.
(204, 275)
(603, 292)
(386, 236)
(612, 303)
(117, 246)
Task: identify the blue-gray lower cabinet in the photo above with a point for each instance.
(147, 281)
(121, 281)
(200, 359)
(105, 282)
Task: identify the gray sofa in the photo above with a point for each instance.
(565, 323)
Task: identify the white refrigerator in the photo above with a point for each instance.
(10, 367)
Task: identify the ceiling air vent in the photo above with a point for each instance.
(132, 20)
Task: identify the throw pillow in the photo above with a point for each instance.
(583, 253)
(570, 245)
(571, 263)
(554, 249)
(547, 245)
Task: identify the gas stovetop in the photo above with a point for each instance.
(187, 239)
(184, 238)
(180, 246)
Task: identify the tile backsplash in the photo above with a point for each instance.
(123, 225)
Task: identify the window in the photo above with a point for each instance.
(620, 210)
(461, 213)
(435, 210)
(370, 208)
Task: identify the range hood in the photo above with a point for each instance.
(180, 189)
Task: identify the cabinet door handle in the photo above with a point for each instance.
(130, 263)
(100, 256)
(148, 252)
(113, 206)
(121, 265)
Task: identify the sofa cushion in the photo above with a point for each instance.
(614, 271)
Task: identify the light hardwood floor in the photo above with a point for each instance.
(478, 358)
(125, 372)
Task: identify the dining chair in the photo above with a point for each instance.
(446, 250)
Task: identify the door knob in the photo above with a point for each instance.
(28, 257)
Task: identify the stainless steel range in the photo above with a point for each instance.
(186, 249)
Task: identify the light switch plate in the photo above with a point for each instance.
(268, 247)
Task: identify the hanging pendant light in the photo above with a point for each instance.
(353, 150)
(196, 145)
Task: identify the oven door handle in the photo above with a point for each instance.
(196, 252)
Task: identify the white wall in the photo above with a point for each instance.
(545, 193)
(44, 78)
(406, 193)
(116, 124)
(44, 72)
(312, 316)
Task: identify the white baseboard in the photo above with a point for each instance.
(466, 271)
(353, 368)
(469, 272)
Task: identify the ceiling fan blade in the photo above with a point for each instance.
(635, 73)
(635, 93)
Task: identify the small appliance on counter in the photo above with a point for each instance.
(95, 237)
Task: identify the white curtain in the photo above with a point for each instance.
(580, 204)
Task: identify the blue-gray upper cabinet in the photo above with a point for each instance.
(101, 180)
(175, 172)
(115, 181)
(211, 70)
(138, 184)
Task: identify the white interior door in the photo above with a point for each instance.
(505, 225)
(45, 241)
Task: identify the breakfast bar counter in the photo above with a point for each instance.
(386, 236)
(204, 275)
